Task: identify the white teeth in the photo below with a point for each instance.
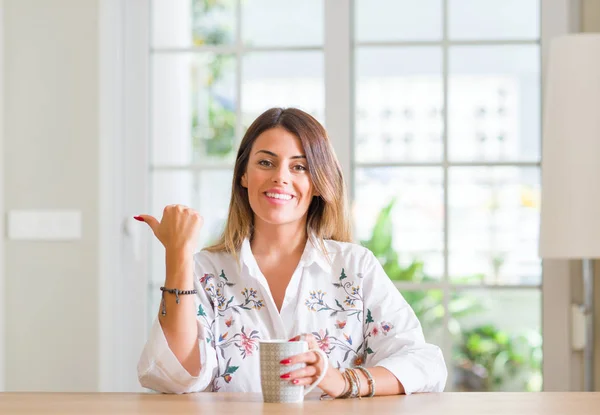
(279, 196)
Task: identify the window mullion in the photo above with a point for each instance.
(448, 344)
(339, 117)
(238, 71)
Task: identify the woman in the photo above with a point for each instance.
(284, 267)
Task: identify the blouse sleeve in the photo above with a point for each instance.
(159, 369)
(394, 337)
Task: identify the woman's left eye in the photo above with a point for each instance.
(300, 167)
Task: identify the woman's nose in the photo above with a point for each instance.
(281, 175)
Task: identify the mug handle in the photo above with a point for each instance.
(325, 360)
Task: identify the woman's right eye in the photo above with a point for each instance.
(265, 163)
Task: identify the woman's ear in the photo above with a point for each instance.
(244, 181)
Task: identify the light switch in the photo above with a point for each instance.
(44, 225)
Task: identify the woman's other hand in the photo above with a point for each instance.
(333, 383)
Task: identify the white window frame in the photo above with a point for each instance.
(124, 89)
(123, 274)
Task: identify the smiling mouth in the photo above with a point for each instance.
(279, 196)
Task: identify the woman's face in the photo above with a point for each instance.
(279, 186)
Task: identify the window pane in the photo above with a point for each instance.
(398, 214)
(494, 19)
(399, 100)
(283, 79)
(193, 108)
(494, 103)
(429, 309)
(282, 23)
(398, 20)
(215, 193)
(494, 221)
(185, 23)
(497, 340)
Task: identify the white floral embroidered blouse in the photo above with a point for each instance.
(348, 303)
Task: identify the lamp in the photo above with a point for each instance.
(570, 206)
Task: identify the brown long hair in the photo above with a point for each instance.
(328, 216)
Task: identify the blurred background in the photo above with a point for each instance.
(114, 108)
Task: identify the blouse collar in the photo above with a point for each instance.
(313, 254)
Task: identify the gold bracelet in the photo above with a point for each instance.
(344, 391)
(355, 394)
(346, 387)
(351, 385)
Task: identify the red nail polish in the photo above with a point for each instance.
(285, 376)
(286, 361)
(295, 381)
(139, 218)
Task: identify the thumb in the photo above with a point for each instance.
(150, 220)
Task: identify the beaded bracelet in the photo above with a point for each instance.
(173, 291)
(370, 380)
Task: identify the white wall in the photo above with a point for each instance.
(50, 161)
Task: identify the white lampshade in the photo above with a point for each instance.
(570, 206)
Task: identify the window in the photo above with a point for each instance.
(445, 152)
(446, 164)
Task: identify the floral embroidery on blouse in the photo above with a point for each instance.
(226, 375)
(354, 307)
(246, 342)
(316, 301)
(216, 295)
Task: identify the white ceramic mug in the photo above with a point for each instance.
(275, 389)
